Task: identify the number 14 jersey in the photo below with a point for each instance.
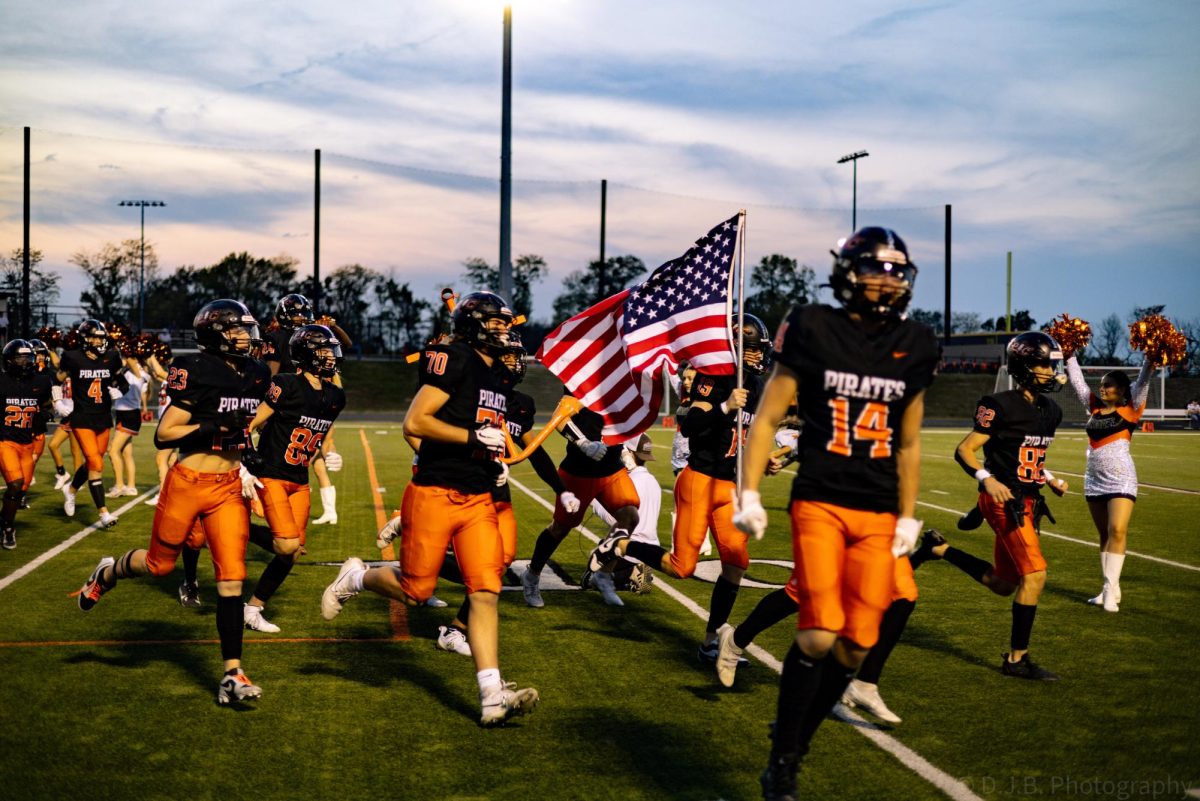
(854, 386)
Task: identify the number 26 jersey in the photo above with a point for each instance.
(854, 386)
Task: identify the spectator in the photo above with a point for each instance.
(1193, 411)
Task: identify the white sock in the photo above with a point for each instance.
(356, 579)
(329, 500)
(488, 680)
(1112, 570)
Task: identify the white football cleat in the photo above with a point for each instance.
(865, 696)
(68, 501)
(61, 480)
(505, 701)
(337, 593)
(108, 519)
(729, 656)
(434, 602)
(153, 501)
(453, 640)
(237, 687)
(253, 617)
(608, 588)
(388, 533)
(531, 587)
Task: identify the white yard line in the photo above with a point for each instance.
(943, 781)
(29, 567)
(1158, 487)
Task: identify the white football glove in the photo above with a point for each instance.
(592, 450)
(502, 479)
(749, 515)
(64, 407)
(905, 541)
(56, 392)
(491, 438)
(249, 483)
(333, 461)
(570, 503)
(115, 393)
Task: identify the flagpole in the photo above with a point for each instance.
(740, 250)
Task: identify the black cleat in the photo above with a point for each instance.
(8, 538)
(189, 595)
(929, 540)
(1026, 669)
(778, 781)
(971, 520)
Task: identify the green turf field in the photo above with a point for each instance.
(118, 703)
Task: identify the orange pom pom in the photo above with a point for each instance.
(1071, 333)
(325, 319)
(1162, 342)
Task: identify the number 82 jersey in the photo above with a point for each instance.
(303, 416)
(854, 386)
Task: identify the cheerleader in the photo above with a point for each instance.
(1110, 480)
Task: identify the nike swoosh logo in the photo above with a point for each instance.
(899, 354)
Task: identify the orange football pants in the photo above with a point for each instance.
(1017, 551)
(844, 575)
(215, 499)
(905, 582)
(703, 502)
(94, 445)
(435, 517)
(614, 492)
(507, 521)
(16, 462)
(286, 506)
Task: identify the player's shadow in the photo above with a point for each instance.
(138, 645)
(926, 639)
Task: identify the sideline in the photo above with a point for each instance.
(943, 781)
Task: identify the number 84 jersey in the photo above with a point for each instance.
(854, 386)
(303, 416)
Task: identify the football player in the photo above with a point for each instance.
(297, 413)
(457, 415)
(214, 395)
(1014, 429)
(42, 355)
(705, 488)
(859, 374)
(26, 395)
(590, 470)
(95, 373)
(519, 419)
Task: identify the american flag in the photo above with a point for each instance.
(611, 356)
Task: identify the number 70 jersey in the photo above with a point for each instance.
(854, 386)
(295, 432)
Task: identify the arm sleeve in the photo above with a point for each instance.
(543, 465)
(1075, 374)
(1141, 385)
(601, 513)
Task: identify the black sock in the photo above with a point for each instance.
(1022, 625)
(230, 625)
(834, 679)
(797, 686)
(261, 536)
(973, 567)
(96, 488)
(272, 576)
(79, 479)
(724, 595)
(60, 470)
(123, 568)
(890, 629)
(653, 556)
(773, 607)
(464, 612)
(543, 549)
(12, 502)
(191, 561)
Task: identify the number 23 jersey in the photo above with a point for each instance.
(302, 418)
(854, 386)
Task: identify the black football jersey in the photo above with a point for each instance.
(90, 380)
(477, 397)
(43, 415)
(278, 349)
(519, 419)
(209, 389)
(714, 449)
(294, 433)
(854, 387)
(1019, 433)
(23, 402)
(576, 463)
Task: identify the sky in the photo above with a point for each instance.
(1064, 132)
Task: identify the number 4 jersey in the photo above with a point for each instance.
(1019, 433)
(294, 433)
(854, 387)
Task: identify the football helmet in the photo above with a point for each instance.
(19, 358)
(293, 311)
(873, 252)
(514, 357)
(755, 339)
(315, 349)
(1035, 349)
(471, 317)
(41, 354)
(217, 324)
(93, 337)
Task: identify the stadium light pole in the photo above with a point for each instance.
(506, 280)
(854, 157)
(142, 204)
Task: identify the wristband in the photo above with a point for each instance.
(981, 475)
(724, 407)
